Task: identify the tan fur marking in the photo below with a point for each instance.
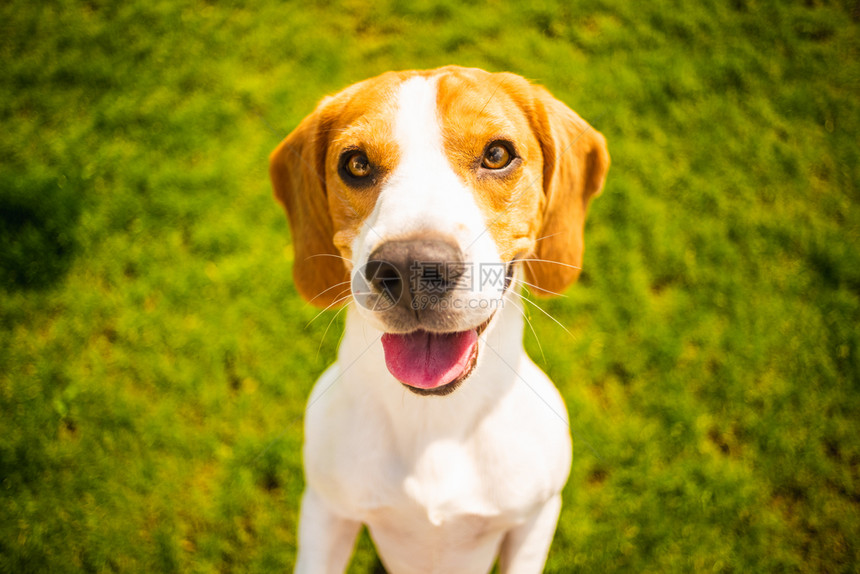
(475, 109)
(538, 209)
(326, 214)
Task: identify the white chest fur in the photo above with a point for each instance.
(436, 477)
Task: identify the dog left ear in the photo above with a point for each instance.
(575, 164)
(297, 171)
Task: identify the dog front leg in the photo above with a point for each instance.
(325, 539)
(525, 548)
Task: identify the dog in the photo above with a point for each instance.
(422, 201)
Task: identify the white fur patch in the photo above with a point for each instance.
(424, 193)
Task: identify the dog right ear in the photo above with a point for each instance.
(575, 164)
(297, 171)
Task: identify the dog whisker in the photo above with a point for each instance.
(542, 310)
(330, 255)
(322, 339)
(535, 260)
(533, 286)
(336, 285)
(338, 301)
(528, 322)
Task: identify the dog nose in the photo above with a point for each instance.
(408, 269)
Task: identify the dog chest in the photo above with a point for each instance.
(369, 467)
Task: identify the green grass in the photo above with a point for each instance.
(155, 357)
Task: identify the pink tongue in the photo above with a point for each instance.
(428, 360)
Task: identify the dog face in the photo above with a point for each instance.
(417, 195)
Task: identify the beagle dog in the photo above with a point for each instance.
(422, 201)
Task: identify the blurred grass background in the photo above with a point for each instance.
(155, 358)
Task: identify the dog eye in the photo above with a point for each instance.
(497, 156)
(357, 165)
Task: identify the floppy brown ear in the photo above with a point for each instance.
(297, 170)
(575, 164)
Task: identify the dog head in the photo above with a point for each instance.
(417, 195)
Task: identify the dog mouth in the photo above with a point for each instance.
(432, 363)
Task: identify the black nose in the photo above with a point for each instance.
(406, 270)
